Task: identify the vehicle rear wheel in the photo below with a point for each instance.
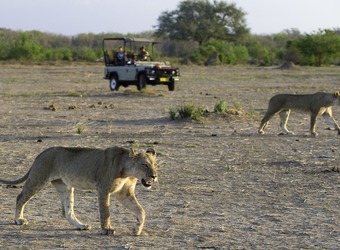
(114, 86)
(171, 85)
(141, 82)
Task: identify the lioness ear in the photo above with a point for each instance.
(133, 152)
(337, 93)
(151, 151)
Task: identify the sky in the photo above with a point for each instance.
(72, 17)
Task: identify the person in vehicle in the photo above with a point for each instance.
(143, 54)
(120, 56)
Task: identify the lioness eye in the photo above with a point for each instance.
(146, 165)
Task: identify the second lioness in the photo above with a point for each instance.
(317, 104)
(113, 170)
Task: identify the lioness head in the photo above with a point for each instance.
(145, 166)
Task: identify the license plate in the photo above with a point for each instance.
(163, 79)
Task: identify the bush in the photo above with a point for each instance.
(220, 107)
(319, 48)
(228, 53)
(238, 54)
(56, 54)
(25, 47)
(84, 53)
(187, 111)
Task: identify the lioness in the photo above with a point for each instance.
(113, 170)
(317, 104)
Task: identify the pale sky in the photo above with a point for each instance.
(72, 17)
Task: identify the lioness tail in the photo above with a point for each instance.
(21, 180)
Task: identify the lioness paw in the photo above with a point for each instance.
(137, 231)
(109, 232)
(22, 222)
(85, 227)
(314, 134)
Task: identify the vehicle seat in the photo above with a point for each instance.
(130, 56)
(111, 56)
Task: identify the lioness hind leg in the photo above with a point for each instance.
(30, 189)
(284, 116)
(273, 108)
(22, 200)
(67, 201)
(128, 198)
(264, 122)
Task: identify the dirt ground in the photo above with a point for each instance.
(221, 185)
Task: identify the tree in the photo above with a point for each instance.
(321, 46)
(25, 47)
(225, 52)
(200, 20)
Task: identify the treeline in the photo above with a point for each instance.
(40, 46)
(316, 49)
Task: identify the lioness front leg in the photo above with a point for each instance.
(67, 201)
(128, 198)
(104, 211)
(330, 119)
(284, 116)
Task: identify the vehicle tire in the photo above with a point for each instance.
(171, 85)
(114, 86)
(141, 82)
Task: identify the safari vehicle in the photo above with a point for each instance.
(133, 70)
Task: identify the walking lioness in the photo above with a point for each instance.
(317, 104)
(109, 171)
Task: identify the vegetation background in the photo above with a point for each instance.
(197, 32)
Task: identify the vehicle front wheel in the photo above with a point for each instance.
(171, 85)
(141, 82)
(114, 86)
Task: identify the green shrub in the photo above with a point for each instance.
(187, 111)
(220, 107)
(84, 54)
(63, 54)
(79, 129)
(173, 114)
(228, 53)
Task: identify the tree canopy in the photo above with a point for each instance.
(321, 46)
(201, 20)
